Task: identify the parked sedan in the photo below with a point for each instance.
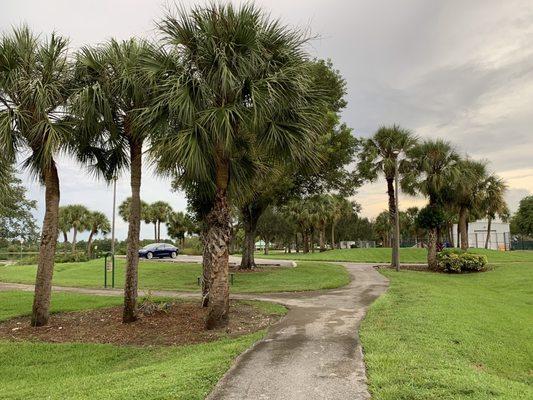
(159, 250)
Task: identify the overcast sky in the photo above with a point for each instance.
(460, 70)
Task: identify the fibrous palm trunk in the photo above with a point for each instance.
(65, 241)
(333, 246)
(392, 212)
(489, 226)
(206, 271)
(217, 241)
(132, 255)
(250, 217)
(47, 249)
(463, 216)
(90, 244)
(74, 236)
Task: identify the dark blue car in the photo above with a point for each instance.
(159, 250)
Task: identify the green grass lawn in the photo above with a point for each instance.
(383, 255)
(98, 371)
(437, 336)
(174, 276)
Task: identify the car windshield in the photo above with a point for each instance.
(149, 246)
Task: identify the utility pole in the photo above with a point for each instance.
(113, 217)
(396, 252)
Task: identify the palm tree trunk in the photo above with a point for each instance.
(305, 239)
(89, 244)
(155, 231)
(489, 225)
(134, 226)
(463, 228)
(458, 235)
(392, 212)
(333, 246)
(158, 231)
(322, 238)
(312, 237)
(432, 248)
(65, 241)
(206, 271)
(250, 215)
(45, 267)
(218, 238)
(296, 244)
(74, 235)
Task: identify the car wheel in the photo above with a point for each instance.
(173, 254)
(149, 255)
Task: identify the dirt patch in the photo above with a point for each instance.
(163, 324)
(408, 267)
(235, 269)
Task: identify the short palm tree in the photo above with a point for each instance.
(110, 132)
(493, 203)
(78, 218)
(35, 85)
(434, 166)
(229, 70)
(64, 225)
(160, 212)
(97, 222)
(379, 155)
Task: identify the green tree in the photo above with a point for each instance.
(97, 222)
(493, 202)
(271, 226)
(116, 91)
(160, 212)
(178, 224)
(522, 222)
(16, 210)
(378, 157)
(35, 83)
(341, 208)
(77, 217)
(434, 165)
(229, 69)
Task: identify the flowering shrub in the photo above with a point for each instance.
(454, 261)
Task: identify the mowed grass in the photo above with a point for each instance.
(98, 371)
(183, 277)
(437, 336)
(16, 303)
(383, 255)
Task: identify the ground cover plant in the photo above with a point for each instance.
(183, 276)
(440, 336)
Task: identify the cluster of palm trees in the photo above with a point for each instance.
(78, 218)
(221, 85)
(457, 188)
(314, 214)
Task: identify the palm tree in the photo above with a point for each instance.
(341, 208)
(178, 224)
(108, 109)
(160, 212)
(379, 156)
(97, 222)
(229, 70)
(35, 84)
(78, 218)
(434, 165)
(467, 193)
(493, 202)
(149, 216)
(64, 225)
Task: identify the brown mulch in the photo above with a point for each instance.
(235, 268)
(173, 323)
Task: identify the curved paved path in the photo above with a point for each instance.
(314, 352)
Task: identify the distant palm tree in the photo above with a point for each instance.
(64, 225)
(178, 224)
(229, 69)
(78, 218)
(379, 155)
(493, 202)
(160, 211)
(434, 166)
(97, 222)
(108, 111)
(341, 208)
(36, 81)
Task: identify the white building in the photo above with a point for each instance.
(499, 238)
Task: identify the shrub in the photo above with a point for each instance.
(456, 261)
(59, 258)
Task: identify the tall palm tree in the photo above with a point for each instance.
(493, 203)
(434, 164)
(467, 191)
(160, 212)
(97, 222)
(78, 218)
(229, 69)
(64, 225)
(35, 84)
(115, 92)
(148, 214)
(378, 157)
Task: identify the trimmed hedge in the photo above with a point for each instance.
(457, 261)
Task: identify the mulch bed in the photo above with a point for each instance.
(173, 323)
